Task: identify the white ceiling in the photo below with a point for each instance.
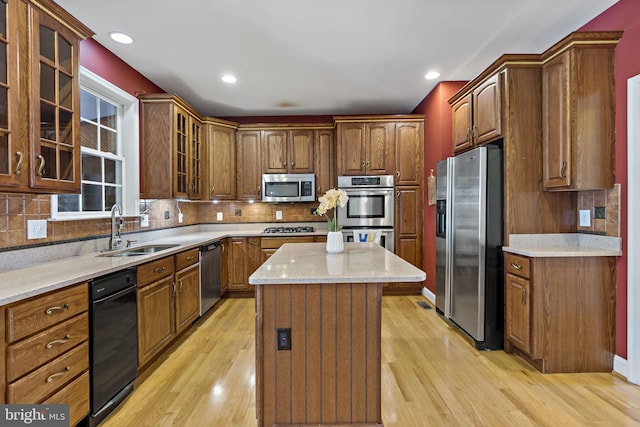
(304, 57)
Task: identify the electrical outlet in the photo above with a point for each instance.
(599, 212)
(219, 216)
(278, 215)
(36, 229)
(238, 212)
(144, 220)
(585, 218)
(284, 338)
(180, 217)
(166, 215)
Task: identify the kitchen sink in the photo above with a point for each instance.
(140, 250)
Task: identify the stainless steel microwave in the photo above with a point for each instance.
(288, 187)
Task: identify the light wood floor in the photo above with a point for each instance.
(431, 376)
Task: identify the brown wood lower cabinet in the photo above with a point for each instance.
(167, 303)
(332, 373)
(45, 350)
(560, 312)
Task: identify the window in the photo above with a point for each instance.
(109, 152)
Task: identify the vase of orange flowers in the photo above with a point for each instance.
(331, 200)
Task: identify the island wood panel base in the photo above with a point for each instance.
(332, 374)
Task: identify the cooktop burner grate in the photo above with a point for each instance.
(289, 230)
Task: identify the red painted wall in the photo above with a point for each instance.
(437, 146)
(624, 15)
(103, 62)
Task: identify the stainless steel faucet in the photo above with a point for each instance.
(115, 238)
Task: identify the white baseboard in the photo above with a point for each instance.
(429, 295)
(621, 366)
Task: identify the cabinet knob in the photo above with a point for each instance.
(20, 160)
(398, 174)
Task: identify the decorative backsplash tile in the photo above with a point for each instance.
(604, 208)
(17, 209)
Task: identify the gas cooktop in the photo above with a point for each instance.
(289, 230)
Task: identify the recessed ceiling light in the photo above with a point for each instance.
(228, 78)
(432, 75)
(121, 37)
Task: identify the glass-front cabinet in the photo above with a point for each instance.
(12, 151)
(55, 102)
(39, 97)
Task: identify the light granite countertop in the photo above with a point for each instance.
(308, 263)
(563, 245)
(49, 275)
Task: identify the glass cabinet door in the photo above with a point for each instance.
(180, 162)
(13, 161)
(195, 159)
(55, 102)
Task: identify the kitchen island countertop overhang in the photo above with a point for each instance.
(307, 263)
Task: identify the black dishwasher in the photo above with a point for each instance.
(113, 342)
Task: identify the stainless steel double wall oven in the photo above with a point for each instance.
(370, 207)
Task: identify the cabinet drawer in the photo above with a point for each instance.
(49, 378)
(76, 395)
(29, 317)
(518, 265)
(276, 242)
(186, 258)
(30, 353)
(154, 270)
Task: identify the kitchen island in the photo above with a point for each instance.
(318, 327)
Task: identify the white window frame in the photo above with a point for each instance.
(129, 135)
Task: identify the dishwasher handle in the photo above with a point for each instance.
(210, 246)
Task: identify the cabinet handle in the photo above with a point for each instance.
(19, 164)
(293, 163)
(42, 163)
(516, 266)
(363, 164)
(398, 174)
(285, 164)
(58, 374)
(190, 257)
(524, 296)
(398, 194)
(173, 289)
(222, 248)
(49, 311)
(368, 164)
(563, 170)
(469, 135)
(159, 269)
(319, 190)
(258, 190)
(58, 341)
(212, 188)
(473, 132)
(253, 243)
(180, 285)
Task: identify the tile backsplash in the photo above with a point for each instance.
(16, 209)
(604, 211)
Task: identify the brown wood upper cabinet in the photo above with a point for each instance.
(365, 147)
(477, 114)
(40, 93)
(578, 108)
(287, 151)
(409, 138)
(171, 148)
(325, 160)
(249, 171)
(221, 160)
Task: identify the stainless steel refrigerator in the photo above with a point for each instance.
(443, 240)
(473, 246)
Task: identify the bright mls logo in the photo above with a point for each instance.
(34, 415)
